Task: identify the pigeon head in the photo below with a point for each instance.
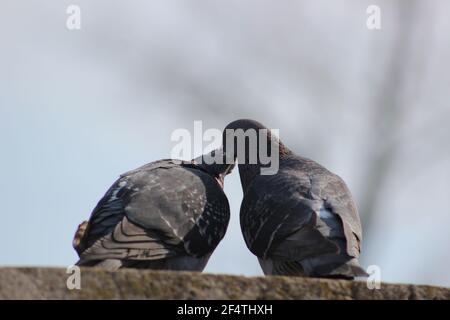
(215, 164)
(258, 150)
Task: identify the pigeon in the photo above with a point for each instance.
(168, 214)
(299, 221)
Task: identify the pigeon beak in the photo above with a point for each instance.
(220, 179)
(230, 168)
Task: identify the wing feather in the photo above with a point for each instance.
(157, 211)
(302, 215)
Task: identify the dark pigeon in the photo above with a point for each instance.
(164, 215)
(301, 221)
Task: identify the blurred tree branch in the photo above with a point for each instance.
(389, 111)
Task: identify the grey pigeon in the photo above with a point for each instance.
(301, 221)
(164, 215)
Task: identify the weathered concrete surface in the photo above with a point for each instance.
(50, 283)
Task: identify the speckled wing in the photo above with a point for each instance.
(160, 210)
(299, 213)
(280, 222)
(339, 201)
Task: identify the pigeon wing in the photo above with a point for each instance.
(339, 201)
(157, 211)
(281, 222)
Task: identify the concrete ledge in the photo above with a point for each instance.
(50, 283)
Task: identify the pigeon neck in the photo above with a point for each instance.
(248, 172)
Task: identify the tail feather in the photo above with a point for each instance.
(333, 267)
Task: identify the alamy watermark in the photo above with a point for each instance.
(73, 21)
(374, 279)
(74, 279)
(249, 147)
(373, 21)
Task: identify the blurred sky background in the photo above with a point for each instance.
(78, 108)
